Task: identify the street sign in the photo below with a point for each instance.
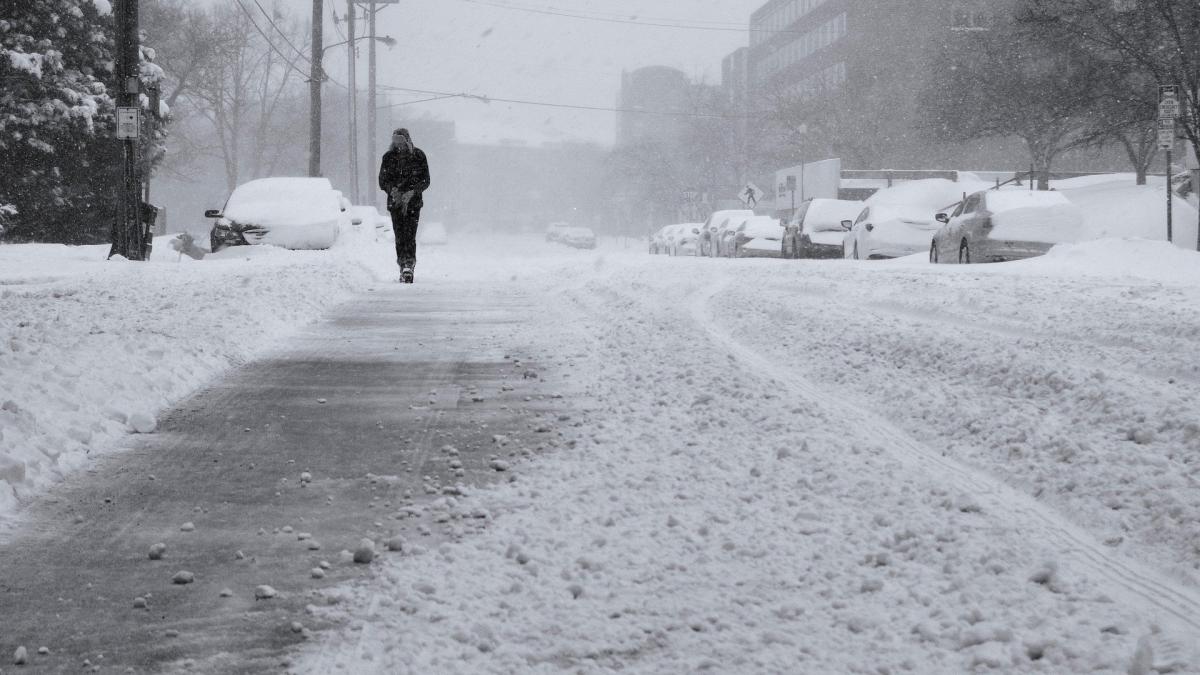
(791, 183)
(128, 123)
(750, 195)
(1166, 139)
(1168, 109)
(1168, 91)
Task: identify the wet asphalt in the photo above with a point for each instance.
(366, 402)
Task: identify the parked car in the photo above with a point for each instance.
(296, 213)
(815, 231)
(705, 245)
(432, 234)
(724, 234)
(578, 237)
(658, 240)
(554, 231)
(997, 225)
(369, 219)
(758, 237)
(682, 240)
(889, 231)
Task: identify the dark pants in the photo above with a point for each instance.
(404, 225)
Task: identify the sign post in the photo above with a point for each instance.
(1168, 112)
(791, 186)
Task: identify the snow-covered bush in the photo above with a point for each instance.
(57, 151)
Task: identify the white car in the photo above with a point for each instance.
(998, 225)
(578, 237)
(555, 231)
(658, 240)
(758, 237)
(723, 235)
(369, 219)
(889, 231)
(682, 240)
(431, 234)
(816, 230)
(296, 213)
(706, 244)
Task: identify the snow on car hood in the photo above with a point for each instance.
(1060, 223)
(275, 202)
(763, 228)
(826, 215)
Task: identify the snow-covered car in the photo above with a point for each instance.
(889, 231)
(705, 244)
(369, 219)
(816, 231)
(554, 231)
(578, 237)
(724, 234)
(431, 234)
(658, 240)
(758, 237)
(296, 213)
(997, 225)
(682, 240)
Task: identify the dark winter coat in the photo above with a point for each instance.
(407, 170)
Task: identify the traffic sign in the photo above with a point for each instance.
(128, 123)
(750, 195)
(1166, 134)
(1168, 109)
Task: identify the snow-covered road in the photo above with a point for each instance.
(834, 467)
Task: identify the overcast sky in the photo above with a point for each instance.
(486, 47)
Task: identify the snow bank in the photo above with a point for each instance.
(91, 350)
(1115, 206)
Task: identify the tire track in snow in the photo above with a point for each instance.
(1138, 585)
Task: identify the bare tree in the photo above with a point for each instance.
(239, 74)
(1010, 81)
(1158, 38)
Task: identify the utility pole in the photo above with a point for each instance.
(129, 237)
(372, 162)
(316, 75)
(352, 99)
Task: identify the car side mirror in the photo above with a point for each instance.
(942, 218)
(212, 213)
(847, 224)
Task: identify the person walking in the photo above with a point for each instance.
(404, 175)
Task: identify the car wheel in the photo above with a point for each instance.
(933, 253)
(964, 254)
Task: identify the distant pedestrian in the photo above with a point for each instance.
(404, 175)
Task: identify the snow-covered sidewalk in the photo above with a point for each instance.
(92, 349)
(833, 467)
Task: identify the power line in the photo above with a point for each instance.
(279, 30)
(659, 23)
(489, 99)
(420, 100)
(270, 43)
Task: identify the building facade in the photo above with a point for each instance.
(647, 99)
